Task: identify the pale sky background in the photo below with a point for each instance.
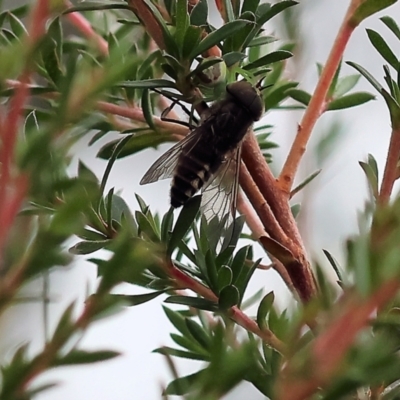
(329, 217)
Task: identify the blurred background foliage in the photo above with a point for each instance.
(109, 70)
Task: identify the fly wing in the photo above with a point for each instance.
(165, 166)
(220, 194)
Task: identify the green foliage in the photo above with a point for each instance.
(115, 81)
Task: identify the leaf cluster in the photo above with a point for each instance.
(78, 89)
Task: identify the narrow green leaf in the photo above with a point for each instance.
(65, 322)
(177, 320)
(371, 178)
(191, 40)
(114, 153)
(350, 100)
(147, 84)
(142, 204)
(224, 277)
(345, 84)
(295, 210)
(278, 94)
(216, 37)
(205, 64)
(305, 182)
(263, 309)
(335, 265)
(393, 88)
(228, 297)
(85, 357)
(132, 145)
(199, 14)
(86, 174)
(237, 41)
(17, 27)
(182, 385)
(88, 247)
(187, 343)
(170, 71)
(147, 109)
(146, 227)
(233, 58)
(392, 25)
(270, 58)
(211, 268)
(261, 40)
(196, 302)
(299, 95)
(97, 6)
(120, 212)
(88, 234)
(383, 49)
(369, 7)
(373, 164)
(180, 353)
(366, 75)
(166, 225)
(238, 264)
(198, 333)
(274, 10)
(183, 223)
(335, 79)
(250, 5)
(230, 15)
(182, 22)
(136, 299)
(183, 247)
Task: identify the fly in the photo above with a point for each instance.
(208, 158)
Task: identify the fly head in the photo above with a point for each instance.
(248, 97)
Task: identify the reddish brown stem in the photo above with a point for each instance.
(330, 347)
(81, 23)
(391, 168)
(145, 15)
(273, 209)
(317, 104)
(235, 313)
(136, 114)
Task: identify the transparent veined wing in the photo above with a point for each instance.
(165, 166)
(219, 196)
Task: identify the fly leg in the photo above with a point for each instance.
(193, 121)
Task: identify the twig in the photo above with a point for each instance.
(317, 103)
(12, 186)
(136, 114)
(391, 169)
(270, 225)
(330, 347)
(235, 313)
(273, 209)
(141, 9)
(81, 23)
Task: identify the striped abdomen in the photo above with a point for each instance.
(190, 176)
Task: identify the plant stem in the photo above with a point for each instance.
(152, 26)
(273, 208)
(234, 312)
(391, 170)
(316, 106)
(329, 349)
(136, 114)
(81, 23)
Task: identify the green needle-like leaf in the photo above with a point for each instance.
(216, 37)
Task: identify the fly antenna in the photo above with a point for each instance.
(259, 85)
